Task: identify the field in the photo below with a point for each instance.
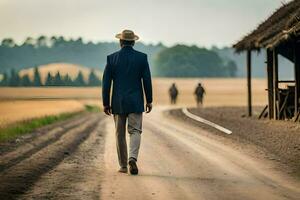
(219, 92)
(20, 110)
(17, 104)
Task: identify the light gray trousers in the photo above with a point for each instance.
(134, 128)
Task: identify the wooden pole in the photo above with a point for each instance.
(297, 75)
(249, 83)
(275, 83)
(269, 55)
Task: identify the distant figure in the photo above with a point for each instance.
(173, 92)
(199, 93)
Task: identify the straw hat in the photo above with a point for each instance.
(127, 35)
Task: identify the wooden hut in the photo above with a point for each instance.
(279, 34)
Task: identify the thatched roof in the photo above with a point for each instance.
(281, 26)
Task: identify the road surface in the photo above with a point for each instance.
(177, 161)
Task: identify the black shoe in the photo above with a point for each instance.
(133, 167)
(123, 170)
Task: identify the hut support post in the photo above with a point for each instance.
(297, 76)
(270, 83)
(275, 83)
(249, 83)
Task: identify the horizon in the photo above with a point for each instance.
(90, 19)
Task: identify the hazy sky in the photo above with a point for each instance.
(203, 22)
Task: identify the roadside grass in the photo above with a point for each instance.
(15, 130)
(92, 108)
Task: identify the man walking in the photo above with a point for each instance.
(199, 93)
(129, 71)
(173, 92)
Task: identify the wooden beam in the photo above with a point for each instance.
(269, 55)
(275, 84)
(249, 83)
(297, 75)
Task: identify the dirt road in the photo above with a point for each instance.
(77, 159)
(179, 162)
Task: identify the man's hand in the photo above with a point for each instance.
(148, 107)
(107, 110)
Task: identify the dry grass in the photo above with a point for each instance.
(20, 110)
(219, 92)
(50, 93)
(23, 103)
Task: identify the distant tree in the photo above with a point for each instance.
(79, 81)
(25, 81)
(4, 81)
(8, 42)
(93, 79)
(189, 61)
(37, 78)
(67, 80)
(57, 81)
(29, 41)
(79, 40)
(49, 80)
(231, 68)
(42, 41)
(14, 79)
(60, 42)
(53, 40)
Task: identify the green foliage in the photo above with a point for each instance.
(14, 79)
(42, 41)
(25, 81)
(92, 108)
(5, 80)
(191, 61)
(177, 61)
(49, 80)
(29, 41)
(67, 81)
(44, 50)
(37, 78)
(8, 42)
(79, 81)
(93, 79)
(57, 81)
(231, 68)
(21, 128)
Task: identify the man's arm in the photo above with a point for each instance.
(147, 85)
(106, 85)
(196, 91)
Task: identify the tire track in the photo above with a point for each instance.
(14, 157)
(79, 176)
(19, 178)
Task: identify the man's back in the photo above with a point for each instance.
(127, 69)
(199, 91)
(129, 72)
(173, 91)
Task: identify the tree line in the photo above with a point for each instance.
(175, 61)
(58, 49)
(192, 61)
(13, 79)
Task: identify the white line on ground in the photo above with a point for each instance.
(199, 119)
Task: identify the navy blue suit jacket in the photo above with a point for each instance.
(129, 72)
